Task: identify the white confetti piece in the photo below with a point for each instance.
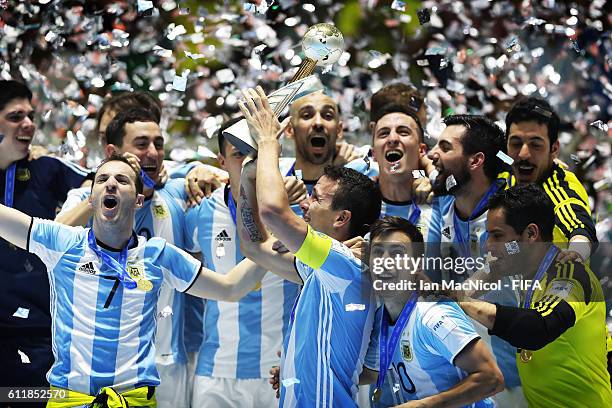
(505, 158)
(24, 358)
(288, 382)
(144, 5)
(418, 174)
(394, 167)
(433, 175)
(512, 247)
(450, 182)
(354, 307)
(298, 174)
(180, 83)
(600, 125)
(398, 5)
(22, 313)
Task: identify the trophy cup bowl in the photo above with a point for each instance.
(322, 45)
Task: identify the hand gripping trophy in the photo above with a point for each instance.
(322, 45)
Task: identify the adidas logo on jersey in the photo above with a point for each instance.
(88, 268)
(446, 232)
(223, 236)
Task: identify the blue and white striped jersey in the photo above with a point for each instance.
(323, 354)
(445, 228)
(103, 334)
(405, 210)
(240, 338)
(162, 215)
(422, 363)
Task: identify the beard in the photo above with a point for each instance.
(462, 177)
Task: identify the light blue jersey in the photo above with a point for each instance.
(103, 334)
(162, 215)
(328, 337)
(447, 230)
(409, 210)
(240, 338)
(423, 361)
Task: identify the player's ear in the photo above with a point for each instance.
(343, 218)
(531, 233)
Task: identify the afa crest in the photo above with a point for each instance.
(406, 350)
(160, 211)
(23, 174)
(136, 272)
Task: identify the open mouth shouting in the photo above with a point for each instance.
(393, 156)
(524, 169)
(318, 143)
(110, 205)
(150, 169)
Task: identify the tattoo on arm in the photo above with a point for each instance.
(248, 219)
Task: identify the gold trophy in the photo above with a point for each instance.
(322, 45)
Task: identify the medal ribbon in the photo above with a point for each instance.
(231, 204)
(548, 259)
(146, 180)
(9, 187)
(464, 242)
(110, 262)
(387, 348)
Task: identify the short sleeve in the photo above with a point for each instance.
(180, 269)
(573, 285)
(49, 240)
(447, 329)
(318, 251)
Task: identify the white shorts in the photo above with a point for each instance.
(233, 393)
(172, 392)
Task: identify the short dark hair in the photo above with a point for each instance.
(116, 157)
(390, 224)
(10, 90)
(394, 107)
(356, 193)
(220, 138)
(526, 204)
(537, 110)
(130, 100)
(398, 93)
(116, 129)
(482, 135)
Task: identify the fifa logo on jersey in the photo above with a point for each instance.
(406, 350)
(23, 175)
(160, 211)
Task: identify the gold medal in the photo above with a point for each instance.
(526, 355)
(376, 395)
(145, 285)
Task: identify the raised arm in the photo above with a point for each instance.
(255, 242)
(14, 226)
(272, 199)
(231, 287)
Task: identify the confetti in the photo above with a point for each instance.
(394, 167)
(288, 382)
(600, 125)
(433, 175)
(144, 6)
(354, 307)
(418, 174)
(298, 174)
(450, 182)
(543, 111)
(512, 247)
(22, 313)
(505, 158)
(24, 357)
(398, 5)
(180, 82)
(424, 16)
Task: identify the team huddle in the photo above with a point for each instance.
(180, 286)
